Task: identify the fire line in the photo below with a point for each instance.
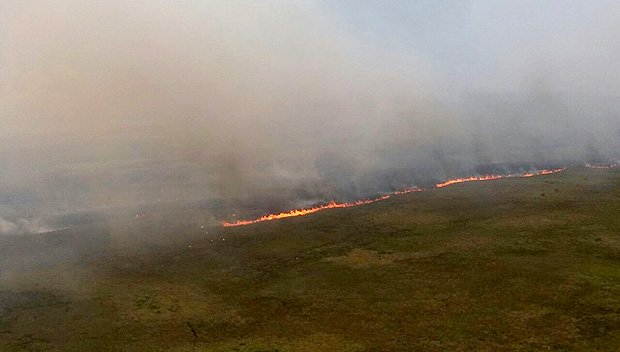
(333, 204)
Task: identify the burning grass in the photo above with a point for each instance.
(483, 267)
(335, 205)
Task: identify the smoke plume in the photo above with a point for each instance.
(22, 227)
(109, 104)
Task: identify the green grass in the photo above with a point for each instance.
(510, 265)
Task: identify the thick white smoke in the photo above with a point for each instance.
(107, 103)
(22, 227)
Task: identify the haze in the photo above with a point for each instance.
(108, 104)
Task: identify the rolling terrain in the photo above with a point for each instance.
(516, 264)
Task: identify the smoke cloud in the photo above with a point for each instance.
(22, 227)
(109, 104)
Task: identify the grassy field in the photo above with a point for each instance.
(509, 265)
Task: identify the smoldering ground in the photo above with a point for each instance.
(113, 104)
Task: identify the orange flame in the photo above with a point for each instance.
(496, 177)
(306, 211)
(468, 179)
(333, 204)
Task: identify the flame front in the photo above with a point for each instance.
(306, 211)
(333, 204)
(469, 179)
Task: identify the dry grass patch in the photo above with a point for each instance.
(363, 258)
(470, 242)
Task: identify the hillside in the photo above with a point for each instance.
(503, 265)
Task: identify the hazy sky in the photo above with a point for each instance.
(449, 46)
(324, 97)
